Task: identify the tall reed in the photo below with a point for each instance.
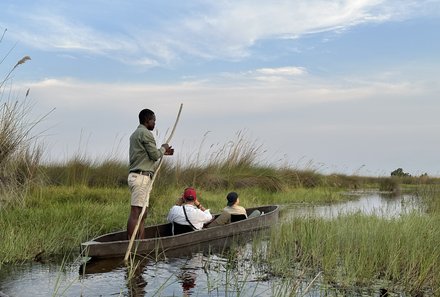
(360, 250)
(235, 165)
(19, 152)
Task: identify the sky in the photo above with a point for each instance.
(348, 87)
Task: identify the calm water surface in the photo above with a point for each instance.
(371, 203)
(202, 274)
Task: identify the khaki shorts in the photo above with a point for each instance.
(139, 185)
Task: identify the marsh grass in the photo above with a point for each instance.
(362, 251)
(391, 184)
(56, 220)
(431, 197)
(348, 253)
(81, 171)
(82, 199)
(61, 285)
(236, 165)
(19, 152)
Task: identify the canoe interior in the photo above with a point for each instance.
(164, 230)
(158, 238)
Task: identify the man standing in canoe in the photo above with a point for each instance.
(143, 154)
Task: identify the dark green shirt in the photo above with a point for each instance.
(143, 150)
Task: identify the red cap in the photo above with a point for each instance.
(189, 194)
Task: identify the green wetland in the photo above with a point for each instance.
(338, 235)
(345, 243)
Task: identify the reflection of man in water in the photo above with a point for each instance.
(188, 279)
(135, 281)
(188, 273)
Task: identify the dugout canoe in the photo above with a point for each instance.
(158, 238)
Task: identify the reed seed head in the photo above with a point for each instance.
(22, 61)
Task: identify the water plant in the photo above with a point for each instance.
(362, 251)
(20, 154)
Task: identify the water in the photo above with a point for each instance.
(172, 277)
(203, 274)
(384, 205)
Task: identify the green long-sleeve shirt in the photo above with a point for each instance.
(143, 151)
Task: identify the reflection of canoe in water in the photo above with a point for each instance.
(159, 239)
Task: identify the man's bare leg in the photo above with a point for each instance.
(135, 211)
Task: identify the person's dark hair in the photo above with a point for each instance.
(232, 198)
(145, 115)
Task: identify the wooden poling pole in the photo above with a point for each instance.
(150, 187)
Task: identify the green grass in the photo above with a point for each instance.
(236, 165)
(55, 220)
(350, 252)
(363, 251)
(19, 152)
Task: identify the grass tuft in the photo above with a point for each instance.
(19, 153)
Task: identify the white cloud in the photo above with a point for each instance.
(220, 29)
(245, 93)
(143, 61)
(231, 27)
(371, 117)
(55, 32)
(283, 71)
